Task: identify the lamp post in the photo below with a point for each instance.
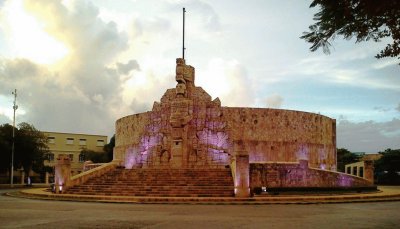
(15, 107)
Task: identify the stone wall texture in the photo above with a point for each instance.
(275, 135)
(276, 175)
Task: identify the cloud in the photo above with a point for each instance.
(274, 101)
(4, 119)
(369, 136)
(398, 108)
(381, 109)
(50, 105)
(228, 80)
(129, 66)
(204, 15)
(80, 93)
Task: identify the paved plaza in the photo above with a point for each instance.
(28, 213)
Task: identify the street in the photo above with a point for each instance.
(27, 213)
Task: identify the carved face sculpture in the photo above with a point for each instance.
(180, 89)
(180, 61)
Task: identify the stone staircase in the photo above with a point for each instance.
(160, 182)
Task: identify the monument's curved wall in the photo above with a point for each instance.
(275, 135)
(267, 135)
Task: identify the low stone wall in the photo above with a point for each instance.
(88, 165)
(95, 172)
(288, 175)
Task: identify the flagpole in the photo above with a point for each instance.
(183, 40)
(15, 107)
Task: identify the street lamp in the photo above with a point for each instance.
(15, 107)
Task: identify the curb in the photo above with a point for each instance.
(41, 194)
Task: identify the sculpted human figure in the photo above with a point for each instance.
(180, 90)
(180, 69)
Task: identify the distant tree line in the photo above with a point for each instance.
(100, 157)
(387, 168)
(30, 148)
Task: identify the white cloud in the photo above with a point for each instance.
(274, 101)
(228, 80)
(124, 69)
(81, 94)
(369, 136)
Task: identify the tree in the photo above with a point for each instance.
(29, 151)
(387, 168)
(363, 19)
(100, 157)
(345, 157)
(31, 148)
(108, 148)
(5, 147)
(95, 157)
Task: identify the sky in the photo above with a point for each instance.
(80, 65)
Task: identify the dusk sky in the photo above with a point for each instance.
(80, 65)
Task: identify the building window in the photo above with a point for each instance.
(81, 157)
(100, 142)
(82, 142)
(361, 172)
(70, 141)
(71, 157)
(50, 157)
(348, 171)
(355, 170)
(51, 140)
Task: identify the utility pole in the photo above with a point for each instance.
(15, 107)
(183, 41)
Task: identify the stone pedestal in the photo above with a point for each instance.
(62, 172)
(47, 178)
(22, 177)
(303, 164)
(242, 178)
(369, 170)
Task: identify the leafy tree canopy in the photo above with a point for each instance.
(30, 147)
(100, 157)
(345, 157)
(95, 157)
(108, 148)
(387, 168)
(363, 19)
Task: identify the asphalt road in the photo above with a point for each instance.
(26, 213)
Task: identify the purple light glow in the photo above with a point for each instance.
(132, 158)
(215, 125)
(344, 180)
(218, 155)
(303, 153)
(215, 139)
(138, 155)
(323, 156)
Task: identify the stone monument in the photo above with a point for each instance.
(262, 146)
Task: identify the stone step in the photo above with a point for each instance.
(160, 182)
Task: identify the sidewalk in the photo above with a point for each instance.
(34, 185)
(385, 193)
